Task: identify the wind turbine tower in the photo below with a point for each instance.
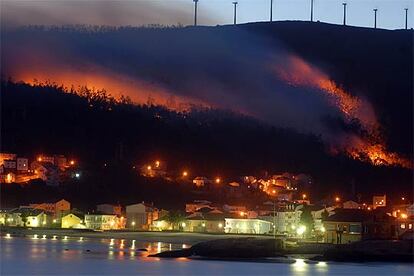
(311, 10)
(406, 18)
(271, 10)
(195, 12)
(344, 4)
(235, 13)
(375, 18)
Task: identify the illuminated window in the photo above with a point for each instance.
(402, 226)
(410, 226)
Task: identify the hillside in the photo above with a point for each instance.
(225, 66)
(206, 142)
(377, 63)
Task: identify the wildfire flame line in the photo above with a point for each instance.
(369, 147)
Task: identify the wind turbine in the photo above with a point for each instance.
(271, 10)
(375, 18)
(406, 18)
(235, 12)
(344, 4)
(311, 11)
(195, 12)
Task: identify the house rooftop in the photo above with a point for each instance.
(356, 215)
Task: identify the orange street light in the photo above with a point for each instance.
(39, 159)
(404, 216)
(157, 163)
(149, 168)
(72, 162)
(218, 180)
(304, 196)
(185, 173)
(274, 191)
(242, 213)
(337, 199)
(403, 198)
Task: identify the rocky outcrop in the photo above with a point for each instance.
(230, 248)
(371, 251)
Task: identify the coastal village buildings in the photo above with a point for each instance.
(46, 171)
(287, 219)
(351, 205)
(25, 216)
(350, 225)
(20, 169)
(198, 204)
(141, 216)
(56, 209)
(379, 201)
(110, 209)
(247, 226)
(72, 221)
(207, 222)
(201, 181)
(100, 221)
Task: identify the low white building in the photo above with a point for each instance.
(102, 222)
(247, 226)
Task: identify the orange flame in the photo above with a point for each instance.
(372, 148)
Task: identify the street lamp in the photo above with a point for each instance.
(301, 230)
(218, 180)
(304, 196)
(185, 173)
(337, 199)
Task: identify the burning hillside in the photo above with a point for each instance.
(198, 66)
(369, 144)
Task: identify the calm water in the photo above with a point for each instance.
(101, 256)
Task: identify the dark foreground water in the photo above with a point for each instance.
(44, 256)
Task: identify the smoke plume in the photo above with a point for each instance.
(219, 67)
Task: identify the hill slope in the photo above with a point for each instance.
(206, 142)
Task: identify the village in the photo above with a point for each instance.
(287, 212)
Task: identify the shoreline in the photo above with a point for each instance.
(189, 238)
(228, 247)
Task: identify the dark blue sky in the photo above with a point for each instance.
(391, 14)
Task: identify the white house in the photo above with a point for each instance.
(141, 215)
(288, 219)
(247, 226)
(102, 222)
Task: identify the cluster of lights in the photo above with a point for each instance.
(301, 229)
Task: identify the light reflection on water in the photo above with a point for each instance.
(114, 256)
